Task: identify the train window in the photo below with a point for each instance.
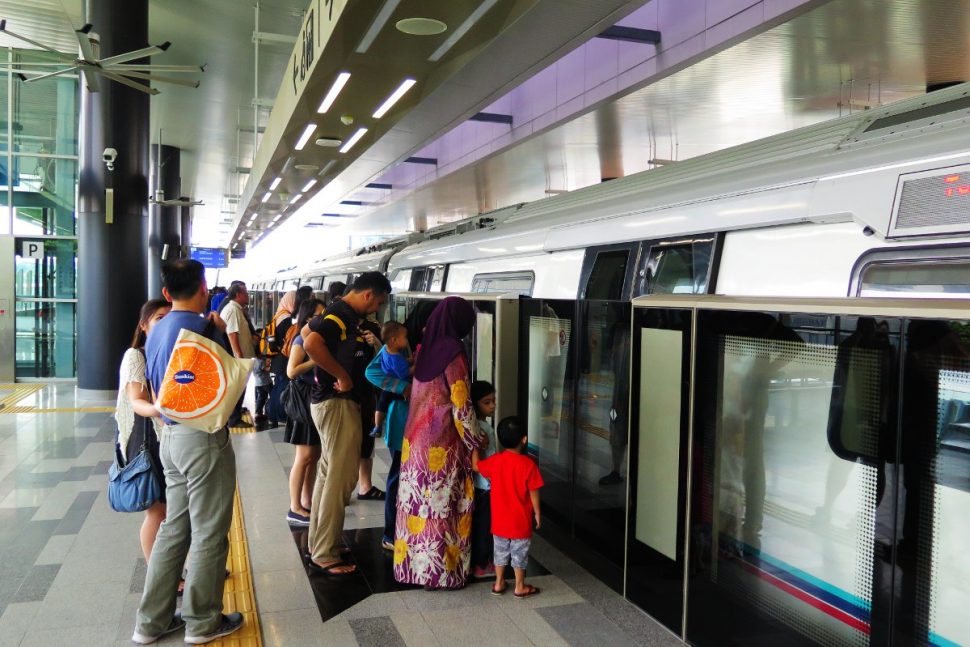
(933, 272)
(437, 279)
(401, 281)
(606, 278)
(504, 283)
(677, 268)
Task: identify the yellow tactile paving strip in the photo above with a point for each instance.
(244, 430)
(239, 593)
(18, 393)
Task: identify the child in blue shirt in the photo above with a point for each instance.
(483, 397)
(395, 361)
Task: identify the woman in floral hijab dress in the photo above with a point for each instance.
(434, 502)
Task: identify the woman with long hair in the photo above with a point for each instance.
(304, 437)
(138, 420)
(435, 497)
(283, 320)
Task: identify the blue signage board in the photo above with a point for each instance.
(214, 257)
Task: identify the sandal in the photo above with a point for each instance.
(373, 494)
(498, 592)
(529, 592)
(331, 569)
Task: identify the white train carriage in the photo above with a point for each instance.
(794, 469)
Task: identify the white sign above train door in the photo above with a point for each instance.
(318, 25)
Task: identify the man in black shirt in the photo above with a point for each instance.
(331, 341)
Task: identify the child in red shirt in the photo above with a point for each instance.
(515, 482)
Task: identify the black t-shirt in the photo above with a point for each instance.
(338, 328)
(365, 353)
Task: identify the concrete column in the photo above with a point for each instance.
(164, 223)
(112, 255)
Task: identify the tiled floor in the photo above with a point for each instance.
(71, 570)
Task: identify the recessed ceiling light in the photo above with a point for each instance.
(376, 26)
(305, 137)
(406, 85)
(275, 183)
(306, 167)
(353, 140)
(335, 89)
(462, 30)
(329, 142)
(421, 26)
(308, 186)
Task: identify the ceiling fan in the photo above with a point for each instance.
(115, 68)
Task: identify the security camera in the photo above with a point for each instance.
(109, 156)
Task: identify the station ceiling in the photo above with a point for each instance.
(841, 55)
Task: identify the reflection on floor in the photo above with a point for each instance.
(335, 595)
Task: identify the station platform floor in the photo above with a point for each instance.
(72, 572)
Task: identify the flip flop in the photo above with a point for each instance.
(532, 590)
(373, 494)
(330, 570)
(498, 592)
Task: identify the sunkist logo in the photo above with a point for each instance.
(184, 377)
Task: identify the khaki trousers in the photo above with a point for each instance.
(338, 422)
(200, 478)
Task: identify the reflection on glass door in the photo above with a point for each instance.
(546, 333)
(602, 402)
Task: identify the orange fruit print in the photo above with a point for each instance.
(194, 383)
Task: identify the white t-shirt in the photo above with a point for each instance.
(132, 371)
(236, 322)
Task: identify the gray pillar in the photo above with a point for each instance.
(164, 223)
(111, 257)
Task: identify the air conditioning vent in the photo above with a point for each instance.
(933, 203)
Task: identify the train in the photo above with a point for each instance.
(749, 275)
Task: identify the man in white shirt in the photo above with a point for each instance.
(240, 335)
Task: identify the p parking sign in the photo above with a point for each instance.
(33, 249)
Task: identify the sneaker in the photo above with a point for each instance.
(230, 623)
(375, 432)
(143, 639)
(297, 519)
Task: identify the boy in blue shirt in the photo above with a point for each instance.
(394, 362)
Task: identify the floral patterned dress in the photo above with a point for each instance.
(432, 544)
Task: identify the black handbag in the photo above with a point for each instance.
(133, 486)
(296, 402)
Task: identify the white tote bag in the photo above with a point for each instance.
(202, 383)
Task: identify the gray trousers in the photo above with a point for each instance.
(200, 477)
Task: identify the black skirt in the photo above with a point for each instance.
(297, 433)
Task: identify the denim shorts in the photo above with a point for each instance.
(516, 549)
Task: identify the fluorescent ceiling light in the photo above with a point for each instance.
(305, 137)
(462, 30)
(253, 218)
(277, 218)
(389, 102)
(335, 89)
(308, 185)
(295, 198)
(353, 140)
(267, 196)
(376, 26)
(276, 183)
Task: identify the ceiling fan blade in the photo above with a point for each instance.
(155, 68)
(131, 84)
(87, 52)
(91, 79)
(66, 70)
(61, 55)
(155, 77)
(135, 54)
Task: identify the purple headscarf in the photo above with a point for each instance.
(453, 319)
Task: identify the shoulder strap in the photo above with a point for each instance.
(340, 323)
